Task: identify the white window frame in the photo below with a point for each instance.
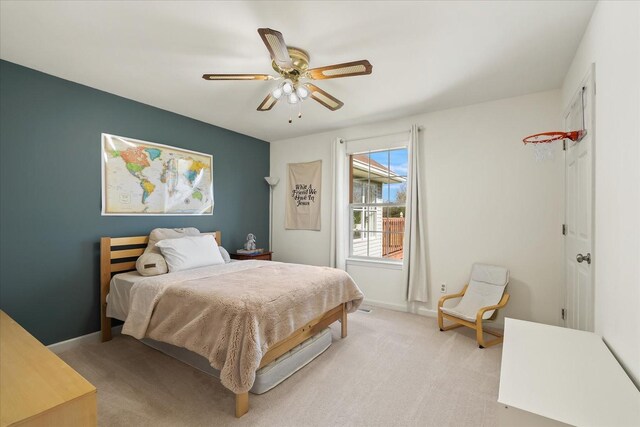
(358, 259)
(375, 232)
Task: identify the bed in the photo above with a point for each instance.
(244, 303)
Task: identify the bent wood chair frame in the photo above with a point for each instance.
(119, 255)
(477, 326)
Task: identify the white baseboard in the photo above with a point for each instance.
(91, 338)
(422, 311)
(381, 304)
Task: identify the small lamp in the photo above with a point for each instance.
(272, 181)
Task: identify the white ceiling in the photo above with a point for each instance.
(426, 56)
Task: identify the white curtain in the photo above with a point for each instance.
(339, 200)
(415, 237)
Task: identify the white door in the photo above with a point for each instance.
(578, 252)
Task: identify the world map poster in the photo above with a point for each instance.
(144, 178)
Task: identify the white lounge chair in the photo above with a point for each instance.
(480, 301)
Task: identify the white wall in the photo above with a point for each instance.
(488, 201)
(301, 246)
(612, 42)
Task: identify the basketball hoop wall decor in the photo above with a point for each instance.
(542, 148)
(541, 141)
(546, 137)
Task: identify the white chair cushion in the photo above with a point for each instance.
(452, 312)
(486, 286)
(491, 274)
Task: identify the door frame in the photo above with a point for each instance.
(589, 78)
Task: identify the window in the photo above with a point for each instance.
(377, 203)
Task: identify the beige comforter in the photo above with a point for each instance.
(232, 314)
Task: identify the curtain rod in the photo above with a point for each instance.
(379, 136)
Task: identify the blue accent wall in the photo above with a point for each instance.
(50, 193)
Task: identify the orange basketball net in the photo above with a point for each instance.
(546, 137)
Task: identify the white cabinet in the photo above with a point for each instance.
(553, 376)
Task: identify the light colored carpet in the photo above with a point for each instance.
(394, 369)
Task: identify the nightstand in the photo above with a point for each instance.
(266, 256)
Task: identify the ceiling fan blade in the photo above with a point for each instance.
(267, 103)
(348, 69)
(237, 77)
(329, 101)
(277, 47)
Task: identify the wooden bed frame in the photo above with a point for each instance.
(119, 255)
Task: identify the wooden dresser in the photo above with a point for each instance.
(37, 388)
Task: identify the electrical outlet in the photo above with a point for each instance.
(443, 288)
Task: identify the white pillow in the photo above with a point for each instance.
(151, 262)
(190, 252)
(225, 255)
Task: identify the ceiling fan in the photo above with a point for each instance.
(292, 66)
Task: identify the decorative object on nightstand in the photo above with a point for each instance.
(264, 256)
(251, 242)
(250, 249)
(272, 181)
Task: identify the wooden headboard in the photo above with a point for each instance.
(118, 255)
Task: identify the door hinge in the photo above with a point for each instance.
(563, 314)
(564, 229)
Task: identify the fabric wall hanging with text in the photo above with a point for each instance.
(303, 196)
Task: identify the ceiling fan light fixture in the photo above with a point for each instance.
(277, 92)
(302, 91)
(287, 87)
(292, 66)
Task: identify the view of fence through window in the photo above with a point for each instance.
(378, 193)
